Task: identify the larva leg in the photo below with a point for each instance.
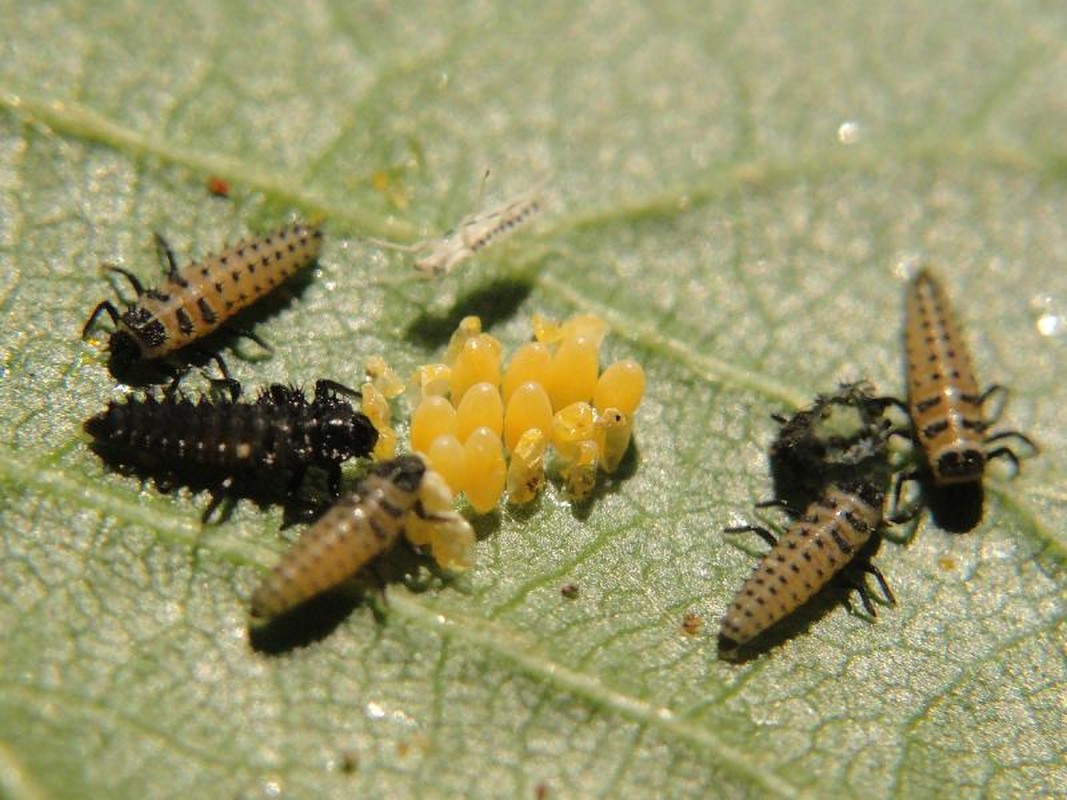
(138, 287)
(247, 333)
(325, 385)
(1000, 393)
(106, 307)
(871, 569)
(760, 531)
(171, 266)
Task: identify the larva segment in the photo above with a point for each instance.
(345, 539)
(944, 400)
(815, 548)
(197, 300)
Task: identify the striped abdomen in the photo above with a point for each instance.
(345, 539)
(198, 299)
(812, 551)
(943, 396)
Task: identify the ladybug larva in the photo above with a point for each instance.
(364, 524)
(945, 403)
(223, 442)
(205, 295)
(828, 537)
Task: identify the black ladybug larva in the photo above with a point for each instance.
(944, 400)
(202, 297)
(217, 443)
(840, 435)
(820, 544)
(400, 496)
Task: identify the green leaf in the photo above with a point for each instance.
(738, 190)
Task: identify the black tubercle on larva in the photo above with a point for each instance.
(255, 448)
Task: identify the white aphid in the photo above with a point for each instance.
(474, 232)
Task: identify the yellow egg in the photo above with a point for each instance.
(468, 328)
(431, 380)
(614, 430)
(477, 362)
(621, 386)
(530, 362)
(481, 407)
(528, 408)
(588, 325)
(573, 372)
(384, 378)
(526, 471)
(445, 455)
(579, 476)
(485, 470)
(545, 330)
(434, 417)
(570, 426)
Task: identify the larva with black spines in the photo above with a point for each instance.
(216, 441)
(202, 297)
(815, 548)
(395, 495)
(944, 400)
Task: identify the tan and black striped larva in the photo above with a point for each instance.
(363, 525)
(944, 401)
(817, 546)
(199, 299)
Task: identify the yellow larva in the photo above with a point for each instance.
(203, 296)
(376, 408)
(570, 426)
(384, 378)
(485, 471)
(481, 407)
(613, 433)
(434, 523)
(572, 375)
(433, 417)
(579, 475)
(345, 539)
(477, 362)
(620, 386)
(944, 400)
(526, 471)
(815, 548)
(528, 408)
(545, 329)
(589, 326)
(530, 362)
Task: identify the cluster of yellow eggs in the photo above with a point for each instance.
(471, 412)
(381, 386)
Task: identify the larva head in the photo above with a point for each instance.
(404, 472)
(339, 432)
(123, 352)
(960, 465)
(868, 491)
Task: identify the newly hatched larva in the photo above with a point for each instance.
(473, 233)
(613, 433)
(944, 400)
(202, 297)
(435, 524)
(815, 548)
(218, 442)
(351, 534)
(526, 470)
(579, 475)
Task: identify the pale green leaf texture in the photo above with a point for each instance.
(738, 188)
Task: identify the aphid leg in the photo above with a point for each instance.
(760, 531)
(138, 287)
(105, 306)
(323, 386)
(1000, 393)
(173, 273)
